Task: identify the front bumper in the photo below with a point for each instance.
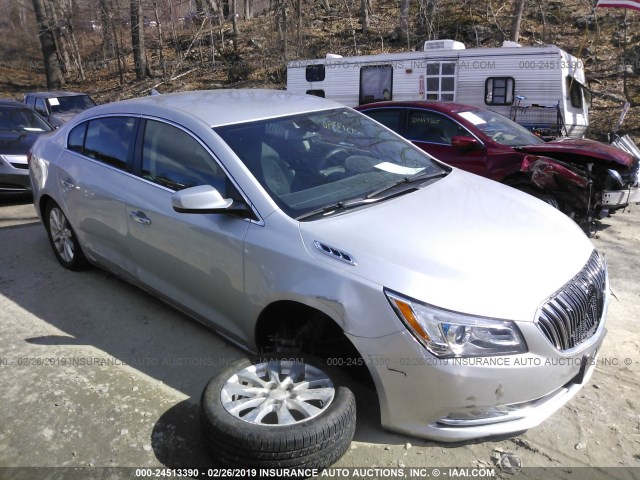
(620, 198)
(14, 178)
(463, 399)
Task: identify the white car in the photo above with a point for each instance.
(293, 226)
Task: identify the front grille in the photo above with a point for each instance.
(572, 314)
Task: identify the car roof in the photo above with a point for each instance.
(12, 103)
(55, 93)
(219, 107)
(440, 106)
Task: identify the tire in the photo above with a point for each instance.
(545, 197)
(63, 239)
(242, 438)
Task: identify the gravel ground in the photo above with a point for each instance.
(96, 373)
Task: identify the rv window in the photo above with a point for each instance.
(499, 90)
(314, 73)
(574, 89)
(376, 83)
(441, 81)
(317, 93)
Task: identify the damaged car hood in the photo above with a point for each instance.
(569, 148)
(463, 243)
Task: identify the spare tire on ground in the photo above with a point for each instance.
(277, 413)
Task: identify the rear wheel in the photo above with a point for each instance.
(63, 239)
(287, 413)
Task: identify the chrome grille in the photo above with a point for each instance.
(572, 314)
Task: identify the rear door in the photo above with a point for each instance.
(93, 173)
(194, 260)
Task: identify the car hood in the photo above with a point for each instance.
(568, 148)
(61, 118)
(463, 243)
(17, 143)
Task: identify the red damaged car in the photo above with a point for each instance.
(585, 179)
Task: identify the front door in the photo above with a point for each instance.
(196, 260)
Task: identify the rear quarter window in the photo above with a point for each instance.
(75, 142)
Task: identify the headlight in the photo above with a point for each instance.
(451, 334)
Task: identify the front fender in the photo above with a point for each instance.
(543, 172)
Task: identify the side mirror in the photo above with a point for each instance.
(464, 143)
(206, 199)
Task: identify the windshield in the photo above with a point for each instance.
(500, 128)
(70, 103)
(310, 161)
(22, 120)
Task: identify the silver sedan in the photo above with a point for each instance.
(293, 226)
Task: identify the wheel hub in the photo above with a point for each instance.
(279, 392)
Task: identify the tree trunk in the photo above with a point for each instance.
(404, 21)
(248, 9)
(299, 24)
(234, 16)
(53, 71)
(160, 42)
(67, 13)
(364, 16)
(61, 43)
(137, 40)
(518, 9)
(108, 47)
(199, 7)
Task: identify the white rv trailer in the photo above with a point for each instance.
(539, 87)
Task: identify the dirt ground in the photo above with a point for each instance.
(96, 373)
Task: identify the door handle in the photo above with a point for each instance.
(67, 183)
(140, 217)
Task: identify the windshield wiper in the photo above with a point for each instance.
(420, 177)
(369, 199)
(338, 206)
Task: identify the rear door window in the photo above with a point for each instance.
(110, 140)
(432, 127)
(389, 117)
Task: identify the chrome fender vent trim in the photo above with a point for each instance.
(335, 253)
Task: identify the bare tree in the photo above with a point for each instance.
(234, 16)
(427, 18)
(403, 27)
(364, 15)
(137, 40)
(53, 71)
(156, 15)
(299, 22)
(56, 28)
(68, 34)
(248, 9)
(110, 42)
(518, 9)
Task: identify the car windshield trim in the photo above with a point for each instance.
(322, 160)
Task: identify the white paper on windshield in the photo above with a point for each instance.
(33, 129)
(54, 102)
(472, 117)
(398, 169)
